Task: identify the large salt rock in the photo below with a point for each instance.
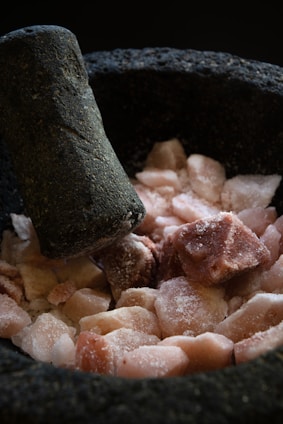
(39, 338)
(38, 280)
(258, 218)
(271, 280)
(153, 361)
(154, 177)
(156, 202)
(139, 296)
(22, 244)
(189, 309)
(101, 353)
(213, 250)
(11, 288)
(168, 154)
(135, 317)
(207, 177)
(189, 207)
(207, 351)
(259, 343)
(12, 317)
(259, 313)
(249, 191)
(82, 271)
(130, 262)
(63, 352)
(61, 292)
(85, 302)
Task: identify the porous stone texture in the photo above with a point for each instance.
(217, 104)
(74, 188)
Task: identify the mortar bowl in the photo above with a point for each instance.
(217, 104)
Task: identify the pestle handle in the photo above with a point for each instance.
(74, 188)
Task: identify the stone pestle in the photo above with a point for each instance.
(74, 187)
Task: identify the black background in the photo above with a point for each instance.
(253, 32)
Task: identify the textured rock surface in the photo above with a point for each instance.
(74, 188)
(217, 104)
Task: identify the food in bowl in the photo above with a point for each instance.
(196, 287)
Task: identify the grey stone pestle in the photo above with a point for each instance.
(74, 188)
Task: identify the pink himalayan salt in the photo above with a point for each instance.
(249, 191)
(11, 288)
(85, 302)
(61, 292)
(189, 207)
(153, 361)
(12, 317)
(63, 352)
(207, 177)
(258, 218)
(169, 154)
(154, 177)
(138, 296)
(271, 239)
(38, 339)
(213, 250)
(189, 309)
(259, 313)
(134, 317)
(101, 353)
(207, 351)
(259, 343)
(130, 262)
(272, 279)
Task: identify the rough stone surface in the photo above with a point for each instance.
(217, 104)
(74, 188)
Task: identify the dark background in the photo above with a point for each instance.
(251, 32)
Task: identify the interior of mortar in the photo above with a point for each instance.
(226, 114)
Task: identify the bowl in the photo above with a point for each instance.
(217, 104)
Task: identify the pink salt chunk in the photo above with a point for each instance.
(215, 249)
(249, 191)
(271, 239)
(188, 207)
(124, 340)
(11, 288)
(134, 317)
(141, 296)
(259, 344)
(38, 339)
(165, 225)
(130, 262)
(63, 352)
(61, 292)
(244, 286)
(85, 302)
(9, 271)
(259, 313)
(258, 218)
(206, 352)
(184, 308)
(153, 361)
(279, 226)
(12, 317)
(101, 353)
(154, 177)
(93, 353)
(169, 154)
(272, 279)
(24, 245)
(156, 204)
(207, 177)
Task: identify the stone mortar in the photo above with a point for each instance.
(217, 104)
